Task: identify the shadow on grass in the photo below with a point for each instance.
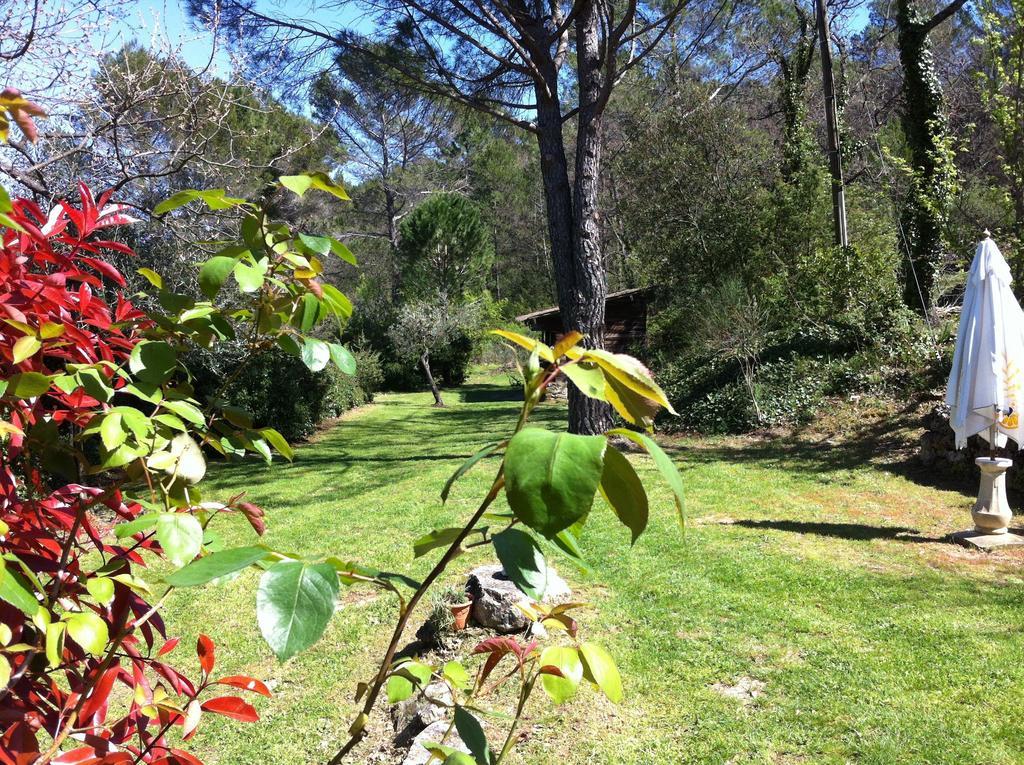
(482, 394)
(851, 531)
(881, 445)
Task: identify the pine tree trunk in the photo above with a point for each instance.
(579, 277)
(584, 311)
(425, 363)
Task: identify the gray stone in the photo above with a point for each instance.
(418, 754)
(558, 590)
(979, 540)
(495, 598)
(419, 712)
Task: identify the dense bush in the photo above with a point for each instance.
(281, 392)
(797, 373)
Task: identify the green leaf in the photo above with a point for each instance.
(111, 432)
(214, 273)
(173, 202)
(336, 301)
(89, 631)
(321, 245)
(216, 565)
(27, 385)
(142, 523)
(153, 361)
(472, 734)
(588, 379)
(96, 384)
(101, 588)
(186, 411)
(551, 479)
(180, 535)
(523, 561)
(171, 421)
(15, 589)
(567, 660)
(343, 252)
(315, 354)
(405, 679)
(55, 643)
(528, 343)
(300, 184)
(308, 312)
(152, 277)
(262, 448)
(599, 668)
(294, 603)
(120, 456)
(567, 542)
(342, 358)
(456, 674)
(398, 689)
(433, 540)
(278, 442)
(25, 348)
(630, 373)
(250, 277)
(661, 461)
(622, 489)
(465, 467)
(459, 758)
(215, 199)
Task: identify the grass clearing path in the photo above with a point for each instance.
(809, 613)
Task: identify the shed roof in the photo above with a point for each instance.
(554, 309)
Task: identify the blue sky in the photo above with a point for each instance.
(163, 24)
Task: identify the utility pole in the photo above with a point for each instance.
(835, 160)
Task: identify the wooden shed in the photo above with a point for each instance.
(625, 321)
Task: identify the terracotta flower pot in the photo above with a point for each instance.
(460, 611)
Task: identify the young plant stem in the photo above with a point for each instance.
(524, 696)
(373, 693)
(358, 729)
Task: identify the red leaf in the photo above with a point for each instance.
(97, 701)
(19, 740)
(233, 707)
(498, 648)
(253, 514)
(246, 684)
(205, 650)
(169, 646)
(177, 757)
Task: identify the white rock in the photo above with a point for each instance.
(418, 754)
(496, 598)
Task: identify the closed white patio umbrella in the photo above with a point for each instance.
(986, 384)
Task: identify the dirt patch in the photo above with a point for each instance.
(746, 690)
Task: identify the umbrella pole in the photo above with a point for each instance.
(992, 441)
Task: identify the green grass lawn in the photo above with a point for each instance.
(812, 567)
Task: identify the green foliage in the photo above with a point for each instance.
(282, 392)
(444, 247)
(294, 603)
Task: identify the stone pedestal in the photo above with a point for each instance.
(991, 513)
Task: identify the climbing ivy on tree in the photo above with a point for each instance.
(1002, 92)
(933, 174)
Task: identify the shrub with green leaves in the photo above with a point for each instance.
(104, 441)
(281, 392)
